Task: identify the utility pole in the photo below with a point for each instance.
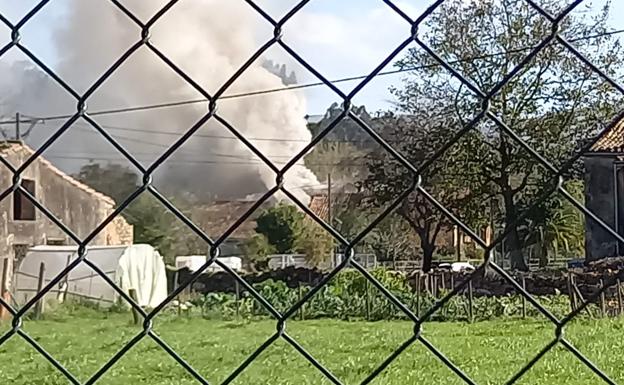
(17, 126)
(329, 201)
(329, 215)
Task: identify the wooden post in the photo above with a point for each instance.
(62, 294)
(135, 314)
(577, 297)
(524, 312)
(5, 291)
(603, 307)
(367, 299)
(570, 291)
(580, 298)
(301, 309)
(418, 287)
(452, 285)
(237, 298)
(39, 308)
(470, 309)
(443, 281)
(434, 285)
(619, 296)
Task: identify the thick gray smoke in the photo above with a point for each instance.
(209, 40)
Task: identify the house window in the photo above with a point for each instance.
(56, 241)
(23, 209)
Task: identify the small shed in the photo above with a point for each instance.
(138, 267)
(604, 194)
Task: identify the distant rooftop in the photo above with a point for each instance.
(612, 141)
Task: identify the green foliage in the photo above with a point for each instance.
(557, 228)
(281, 225)
(152, 223)
(257, 249)
(288, 230)
(490, 352)
(314, 242)
(114, 180)
(340, 159)
(554, 103)
(349, 296)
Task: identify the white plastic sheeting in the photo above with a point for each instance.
(139, 267)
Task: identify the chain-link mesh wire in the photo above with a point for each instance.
(485, 96)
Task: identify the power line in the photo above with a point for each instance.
(249, 162)
(302, 86)
(85, 127)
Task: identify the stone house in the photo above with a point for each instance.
(75, 204)
(604, 194)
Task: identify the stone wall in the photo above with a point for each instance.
(76, 205)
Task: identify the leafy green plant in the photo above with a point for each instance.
(350, 296)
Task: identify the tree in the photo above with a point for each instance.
(152, 223)
(553, 103)
(417, 137)
(557, 227)
(281, 225)
(258, 249)
(390, 240)
(314, 242)
(114, 180)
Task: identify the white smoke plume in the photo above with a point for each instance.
(209, 40)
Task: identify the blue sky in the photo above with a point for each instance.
(340, 38)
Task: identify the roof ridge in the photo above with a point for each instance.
(46, 163)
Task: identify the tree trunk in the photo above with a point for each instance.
(428, 250)
(516, 256)
(543, 260)
(512, 241)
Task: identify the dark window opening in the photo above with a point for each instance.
(56, 242)
(23, 209)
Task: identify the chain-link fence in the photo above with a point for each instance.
(281, 318)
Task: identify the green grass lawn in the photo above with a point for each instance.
(488, 352)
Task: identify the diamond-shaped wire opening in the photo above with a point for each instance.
(230, 37)
(215, 355)
(23, 363)
(419, 365)
(86, 40)
(268, 365)
(499, 56)
(147, 362)
(335, 40)
(591, 337)
(350, 296)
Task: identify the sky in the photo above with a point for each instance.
(339, 38)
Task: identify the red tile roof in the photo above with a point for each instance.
(612, 141)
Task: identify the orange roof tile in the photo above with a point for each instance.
(612, 140)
